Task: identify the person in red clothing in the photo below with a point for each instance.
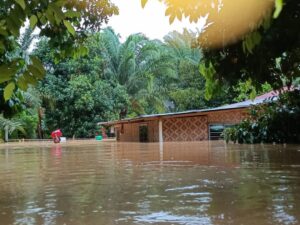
(56, 136)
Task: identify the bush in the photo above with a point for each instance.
(276, 121)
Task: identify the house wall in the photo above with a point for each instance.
(185, 128)
(229, 116)
(153, 131)
(130, 131)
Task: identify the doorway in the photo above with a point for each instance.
(143, 131)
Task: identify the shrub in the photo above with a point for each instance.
(274, 121)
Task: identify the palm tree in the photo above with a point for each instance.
(33, 100)
(189, 84)
(182, 46)
(132, 63)
(9, 126)
(151, 95)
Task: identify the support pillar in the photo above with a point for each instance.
(6, 134)
(160, 131)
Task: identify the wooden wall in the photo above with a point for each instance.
(185, 128)
(131, 131)
(153, 131)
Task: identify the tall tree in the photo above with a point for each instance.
(9, 126)
(270, 54)
(82, 98)
(186, 92)
(132, 64)
(266, 49)
(66, 24)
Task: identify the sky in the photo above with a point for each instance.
(150, 20)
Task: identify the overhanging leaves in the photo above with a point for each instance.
(69, 27)
(8, 90)
(7, 72)
(144, 2)
(21, 3)
(33, 21)
(278, 8)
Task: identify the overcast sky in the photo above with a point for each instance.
(151, 20)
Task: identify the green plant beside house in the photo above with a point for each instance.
(277, 121)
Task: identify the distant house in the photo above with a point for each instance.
(193, 125)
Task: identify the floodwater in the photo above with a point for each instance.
(93, 183)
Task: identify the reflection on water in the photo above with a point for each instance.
(133, 183)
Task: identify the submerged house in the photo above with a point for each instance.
(193, 125)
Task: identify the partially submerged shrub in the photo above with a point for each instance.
(275, 121)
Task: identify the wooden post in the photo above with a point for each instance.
(160, 131)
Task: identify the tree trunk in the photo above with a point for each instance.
(40, 130)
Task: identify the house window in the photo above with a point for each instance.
(215, 130)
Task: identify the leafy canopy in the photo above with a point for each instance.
(82, 98)
(65, 22)
(270, 54)
(267, 52)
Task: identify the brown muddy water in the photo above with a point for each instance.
(91, 183)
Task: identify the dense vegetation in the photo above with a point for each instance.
(270, 54)
(92, 76)
(66, 24)
(275, 121)
(117, 80)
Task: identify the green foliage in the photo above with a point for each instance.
(208, 72)
(230, 134)
(270, 54)
(185, 88)
(11, 125)
(65, 23)
(8, 90)
(114, 81)
(277, 121)
(278, 8)
(251, 41)
(179, 9)
(118, 80)
(24, 110)
(246, 90)
(82, 98)
(81, 103)
(140, 65)
(29, 124)
(194, 9)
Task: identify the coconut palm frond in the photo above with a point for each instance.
(11, 125)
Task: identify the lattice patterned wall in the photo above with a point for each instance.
(185, 129)
(230, 116)
(182, 129)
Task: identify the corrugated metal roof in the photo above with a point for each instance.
(245, 104)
